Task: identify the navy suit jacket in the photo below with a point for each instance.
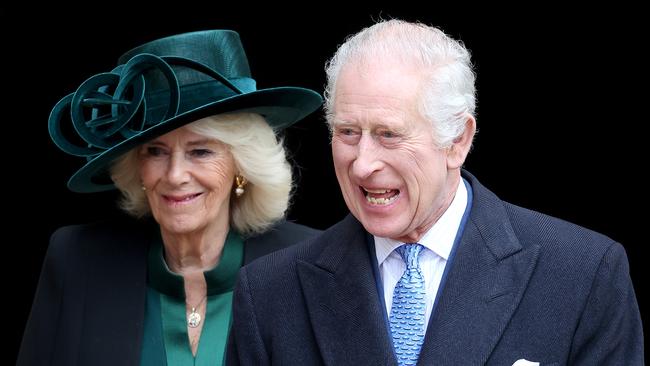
(90, 301)
(522, 285)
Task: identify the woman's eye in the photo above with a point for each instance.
(154, 151)
(200, 153)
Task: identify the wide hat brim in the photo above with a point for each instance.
(281, 107)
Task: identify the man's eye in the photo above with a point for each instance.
(348, 135)
(388, 135)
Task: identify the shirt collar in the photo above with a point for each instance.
(440, 238)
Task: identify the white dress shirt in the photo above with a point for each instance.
(437, 243)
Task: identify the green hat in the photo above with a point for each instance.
(159, 87)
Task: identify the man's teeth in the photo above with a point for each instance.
(381, 196)
(377, 191)
(381, 200)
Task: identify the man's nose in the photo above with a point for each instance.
(368, 158)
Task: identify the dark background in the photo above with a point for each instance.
(561, 111)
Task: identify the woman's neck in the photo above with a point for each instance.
(186, 254)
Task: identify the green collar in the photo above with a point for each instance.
(219, 279)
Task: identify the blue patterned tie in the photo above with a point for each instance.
(407, 315)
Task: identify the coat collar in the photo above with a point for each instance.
(220, 279)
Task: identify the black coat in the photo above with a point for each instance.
(89, 304)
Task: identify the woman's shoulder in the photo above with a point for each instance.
(111, 234)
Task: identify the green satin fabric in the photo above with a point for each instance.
(165, 339)
(153, 348)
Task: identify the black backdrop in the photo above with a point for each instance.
(560, 112)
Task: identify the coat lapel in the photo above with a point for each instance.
(487, 280)
(343, 302)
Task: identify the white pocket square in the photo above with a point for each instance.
(523, 362)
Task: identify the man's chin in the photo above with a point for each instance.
(384, 228)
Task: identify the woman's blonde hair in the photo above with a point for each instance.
(259, 156)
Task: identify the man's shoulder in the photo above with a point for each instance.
(533, 227)
(565, 249)
(548, 230)
(283, 262)
(282, 235)
(567, 252)
(287, 230)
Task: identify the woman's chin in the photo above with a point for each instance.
(179, 226)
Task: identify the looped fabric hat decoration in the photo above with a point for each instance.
(161, 86)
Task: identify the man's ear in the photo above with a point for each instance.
(459, 149)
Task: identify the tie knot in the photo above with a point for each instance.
(409, 253)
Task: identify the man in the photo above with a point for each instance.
(430, 267)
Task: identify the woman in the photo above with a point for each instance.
(180, 129)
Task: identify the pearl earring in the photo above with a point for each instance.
(240, 181)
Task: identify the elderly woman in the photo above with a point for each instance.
(180, 129)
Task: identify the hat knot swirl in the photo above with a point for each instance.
(111, 107)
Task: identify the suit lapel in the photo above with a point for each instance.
(487, 280)
(343, 302)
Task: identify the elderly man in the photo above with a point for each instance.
(430, 267)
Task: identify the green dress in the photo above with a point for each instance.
(165, 340)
